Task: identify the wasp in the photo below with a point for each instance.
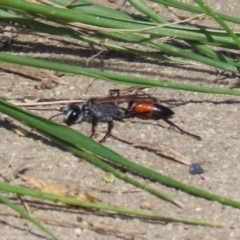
(107, 110)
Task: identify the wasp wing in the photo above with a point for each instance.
(126, 98)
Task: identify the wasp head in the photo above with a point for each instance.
(72, 114)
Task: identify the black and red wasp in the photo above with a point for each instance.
(107, 109)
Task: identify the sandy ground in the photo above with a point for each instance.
(214, 117)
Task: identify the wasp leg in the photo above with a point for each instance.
(110, 127)
(123, 91)
(94, 124)
(181, 130)
(111, 92)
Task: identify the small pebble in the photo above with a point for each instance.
(195, 168)
(77, 231)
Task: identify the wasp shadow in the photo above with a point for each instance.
(10, 126)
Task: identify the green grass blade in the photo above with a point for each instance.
(170, 49)
(122, 79)
(76, 202)
(142, 7)
(218, 19)
(196, 57)
(74, 138)
(100, 10)
(190, 8)
(203, 48)
(24, 214)
(95, 9)
(213, 54)
(68, 15)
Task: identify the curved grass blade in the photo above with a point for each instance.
(170, 49)
(76, 202)
(95, 9)
(203, 48)
(23, 213)
(218, 19)
(190, 8)
(74, 138)
(68, 15)
(122, 79)
(142, 7)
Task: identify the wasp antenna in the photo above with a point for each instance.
(56, 115)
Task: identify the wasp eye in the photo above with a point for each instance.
(73, 114)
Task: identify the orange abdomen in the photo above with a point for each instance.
(151, 110)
